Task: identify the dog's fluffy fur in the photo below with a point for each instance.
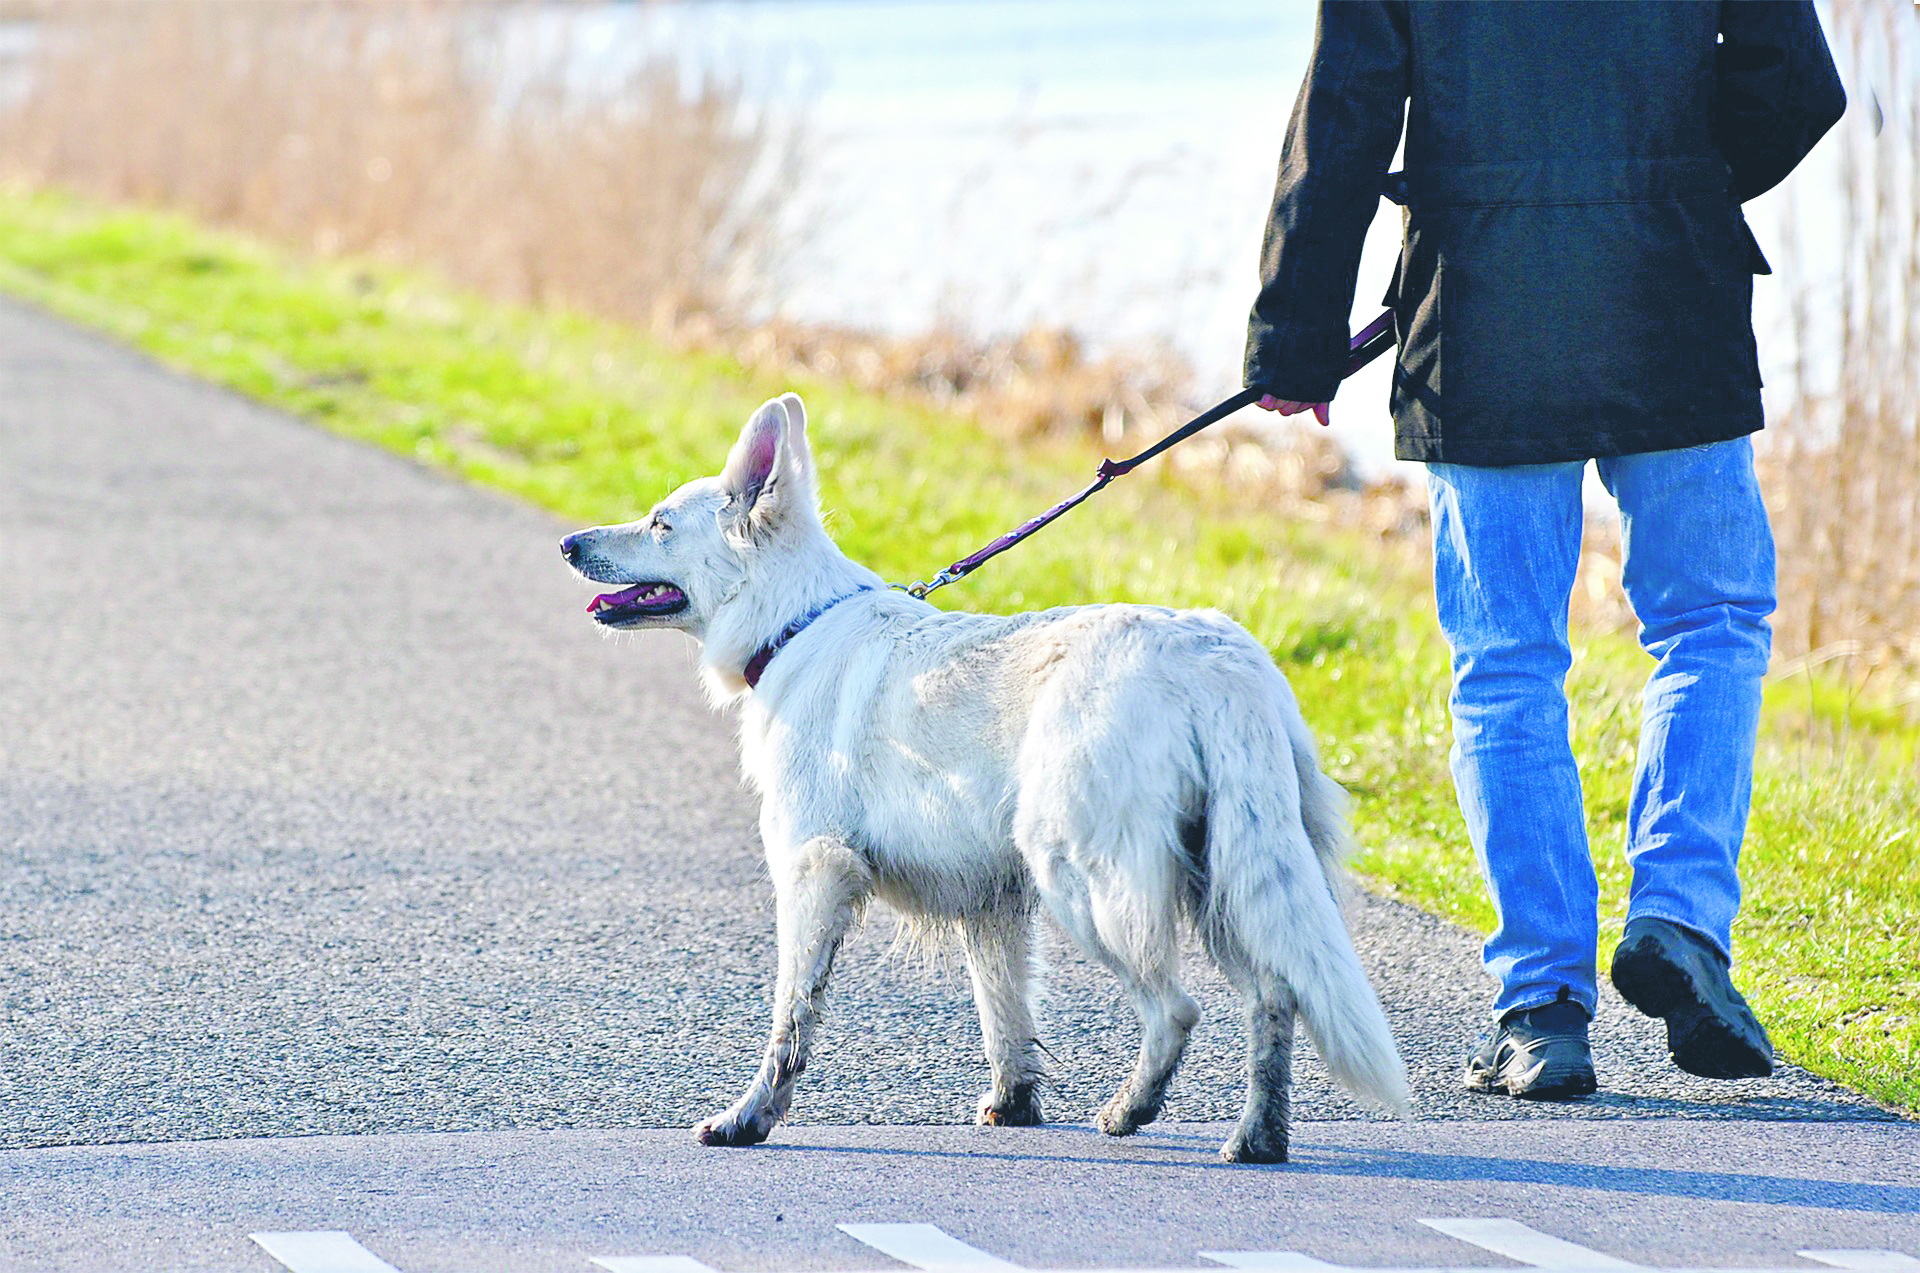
(1126, 767)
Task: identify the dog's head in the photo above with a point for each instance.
(685, 560)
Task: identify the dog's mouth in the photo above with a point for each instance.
(637, 604)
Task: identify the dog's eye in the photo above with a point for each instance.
(661, 529)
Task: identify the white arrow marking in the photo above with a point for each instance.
(926, 1246)
(1865, 1261)
(1529, 1246)
(650, 1264)
(326, 1251)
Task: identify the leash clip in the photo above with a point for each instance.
(919, 588)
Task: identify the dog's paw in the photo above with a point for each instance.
(1021, 1109)
(1260, 1147)
(1121, 1117)
(734, 1130)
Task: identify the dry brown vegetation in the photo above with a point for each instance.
(1842, 464)
(392, 129)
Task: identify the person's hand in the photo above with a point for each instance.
(1270, 403)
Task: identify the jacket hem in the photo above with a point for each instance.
(1510, 452)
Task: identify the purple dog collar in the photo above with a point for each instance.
(757, 665)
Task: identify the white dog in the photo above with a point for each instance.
(1126, 766)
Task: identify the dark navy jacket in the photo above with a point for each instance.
(1576, 279)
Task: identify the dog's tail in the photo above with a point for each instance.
(1273, 882)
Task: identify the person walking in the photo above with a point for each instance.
(1575, 285)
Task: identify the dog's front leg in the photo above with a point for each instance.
(998, 944)
(818, 891)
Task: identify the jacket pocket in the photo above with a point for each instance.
(1417, 297)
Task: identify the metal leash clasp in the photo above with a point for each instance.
(919, 588)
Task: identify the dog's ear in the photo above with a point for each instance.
(756, 454)
(763, 476)
(799, 452)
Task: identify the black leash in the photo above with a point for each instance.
(1373, 340)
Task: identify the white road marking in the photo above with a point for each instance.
(1529, 1246)
(930, 1248)
(1268, 1261)
(926, 1246)
(325, 1251)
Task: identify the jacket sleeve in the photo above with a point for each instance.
(1345, 126)
(1777, 90)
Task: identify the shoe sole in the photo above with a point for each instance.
(1701, 1041)
(1709, 1047)
(1562, 1087)
(1571, 1088)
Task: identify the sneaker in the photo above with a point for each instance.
(1671, 972)
(1540, 1054)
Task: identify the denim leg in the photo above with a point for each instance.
(1506, 542)
(1698, 568)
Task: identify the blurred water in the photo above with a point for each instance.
(1010, 162)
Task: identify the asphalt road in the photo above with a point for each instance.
(1664, 1193)
(325, 811)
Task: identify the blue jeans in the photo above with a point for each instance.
(1698, 568)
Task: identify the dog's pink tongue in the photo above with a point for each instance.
(617, 598)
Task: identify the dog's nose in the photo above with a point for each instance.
(570, 547)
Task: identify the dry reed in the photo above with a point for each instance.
(1842, 463)
(460, 138)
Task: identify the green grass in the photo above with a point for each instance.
(595, 421)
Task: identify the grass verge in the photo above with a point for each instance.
(595, 421)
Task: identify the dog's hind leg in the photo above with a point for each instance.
(1133, 933)
(1167, 1016)
(1000, 958)
(1261, 1136)
(820, 888)
(1271, 1010)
